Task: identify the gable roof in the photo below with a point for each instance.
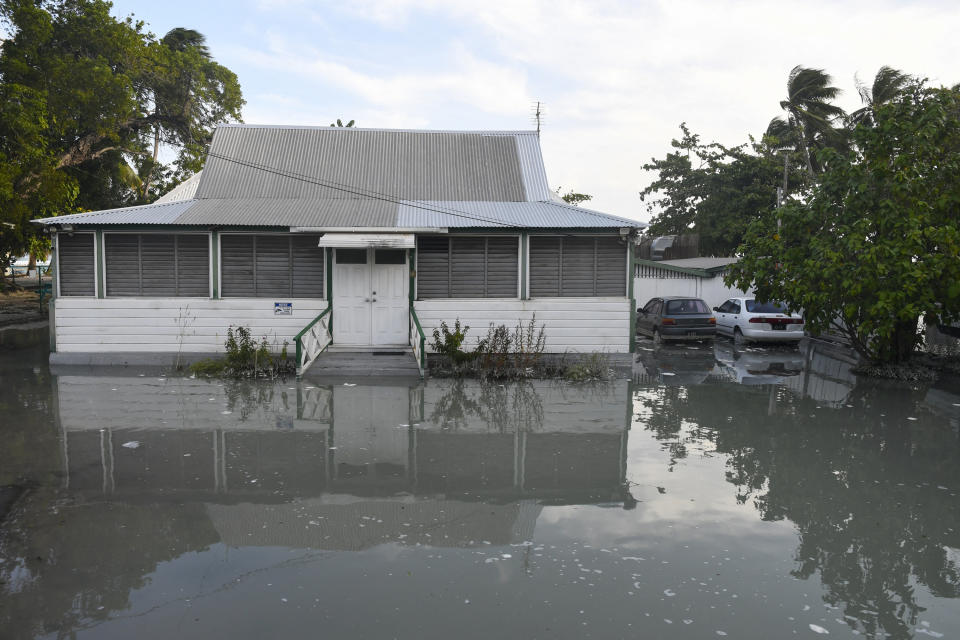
(323, 177)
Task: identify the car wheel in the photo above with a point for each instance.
(738, 338)
(657, 339)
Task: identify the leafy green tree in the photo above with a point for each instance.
(876, 243)
(810, 114)
(712, 190)
(84, 95)
(339, 123)
(573, 197)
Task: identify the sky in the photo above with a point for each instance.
(616, 79)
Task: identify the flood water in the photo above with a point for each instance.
(714, 493)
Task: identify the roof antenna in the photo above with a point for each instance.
(538, 115)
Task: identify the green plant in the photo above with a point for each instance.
(596, 366)
(207, 367)
(449, 343)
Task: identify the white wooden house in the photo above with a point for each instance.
(359, 238)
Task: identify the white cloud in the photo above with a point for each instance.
(617, 77)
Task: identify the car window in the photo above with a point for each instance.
(726, 307)
(735, 306)
(649, 306)
(765, 307)
(655, 308)
(680, 307)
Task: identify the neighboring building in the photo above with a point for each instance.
(695, 277)
(364, 235)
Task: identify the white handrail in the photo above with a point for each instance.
(417, 341)
(312, 341)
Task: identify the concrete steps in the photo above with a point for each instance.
(380, 363)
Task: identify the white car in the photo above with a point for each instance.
(747, 320)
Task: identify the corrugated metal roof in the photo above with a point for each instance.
(364, 178)
(291, 212)
(701, 263)
(186, 190)
(331, 163)
(531, 167)
(156, 213)
(454, 214)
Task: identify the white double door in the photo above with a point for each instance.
(370, 297)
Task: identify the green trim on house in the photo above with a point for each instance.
(215, 263)
(412, 262)
(633, 302)
(101, 288)
(524, 260)
(328, 294)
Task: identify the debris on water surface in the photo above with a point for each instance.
(817, 629)
(133, 444)
(226, 413)
(349, 384)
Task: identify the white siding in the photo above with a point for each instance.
(174, 324)
(712, 290)
(572, 324)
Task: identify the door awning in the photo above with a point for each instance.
(363, 240)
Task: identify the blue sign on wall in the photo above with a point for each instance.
(283, 308)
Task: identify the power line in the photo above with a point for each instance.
(359, 191)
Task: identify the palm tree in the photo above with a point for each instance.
(887, 85)
(173, 95)
(810, 113)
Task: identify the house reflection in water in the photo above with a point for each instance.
(447, 463)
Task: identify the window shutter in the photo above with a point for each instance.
(273, 266)
(545, 266)
(466, 267)
(611, 267)
(158, 266)
(578, 266)
(308, 264)
(237, 266)
(193, 265)
(122, 253)
(502, 267)
(433, 267)
(77, 270)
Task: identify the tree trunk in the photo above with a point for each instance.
(899, 346)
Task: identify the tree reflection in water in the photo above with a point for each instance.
(864, 484)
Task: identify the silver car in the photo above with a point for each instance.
(747, 320)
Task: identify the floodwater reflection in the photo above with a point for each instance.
(753, 493)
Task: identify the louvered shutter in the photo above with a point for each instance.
(611, 267)
(237, 266)
(122, 252)
(193, 265)
(578, 267)
(272, 266)
(502, 267)
(77, 270)
(545, 265)
(308, 265)
(466, 267)
(157, 266)
(433, 267)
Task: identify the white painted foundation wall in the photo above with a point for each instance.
(577, 325)
(712, 290)
(198, 325)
